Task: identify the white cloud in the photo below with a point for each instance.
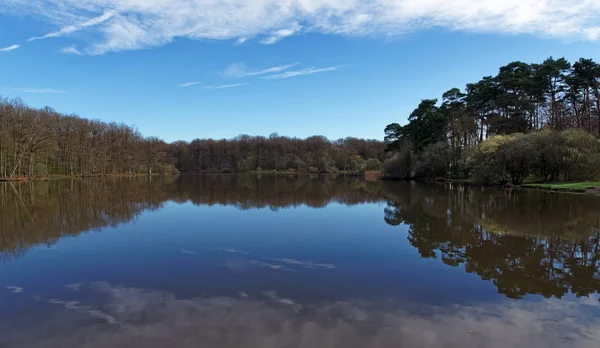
(15, 289)
(239, 70)
(281, 34)
(9, 48)
(71, 50)
(228, 86)
(272, 70)
(38, 90)
(306, 264)
(360, 322)
(69, 29)
(136, 24)
(241, 40)
(188, 84)
(302, 72)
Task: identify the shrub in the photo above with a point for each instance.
(582, 160)
(399, 166)
(504, 159)
(372, 164)
(433, 162)
(549, 154)
(463, 163)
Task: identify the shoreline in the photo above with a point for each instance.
(581, 187)
(62, 177)
(591, 188)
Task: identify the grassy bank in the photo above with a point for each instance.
(584, 186)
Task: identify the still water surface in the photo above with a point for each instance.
(277, 261)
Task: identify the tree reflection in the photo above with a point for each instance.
(524, 242)
(41, 213)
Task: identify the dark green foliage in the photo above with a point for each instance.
(433, 162)
(521, 99)
(549, 154)
(427, 125)
(399, 166)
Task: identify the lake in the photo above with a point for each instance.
(295, 261)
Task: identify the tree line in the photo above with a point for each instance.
(246, 153)
(448, 139)
(41, 142)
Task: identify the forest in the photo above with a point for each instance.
(536, 122)
(530, 121)
(43, 142)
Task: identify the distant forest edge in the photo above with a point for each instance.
(537, 122)
(42, 142)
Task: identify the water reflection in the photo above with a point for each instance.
(136, 317)
(524, 242)
(309, 261)
(42, 213)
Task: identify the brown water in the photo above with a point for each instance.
(277, 261)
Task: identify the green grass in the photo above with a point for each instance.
(566, 186)
(463, 180)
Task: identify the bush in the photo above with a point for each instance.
(549, 154)
(433, 162)
(372, 164)
(582, 161)
(399, 166)
(166, 169)
(504, 159)
(463, 162)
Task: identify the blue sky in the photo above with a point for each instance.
(183, 69)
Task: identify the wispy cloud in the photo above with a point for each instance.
(189, 84)
(71, 50)
(281, 34)
(74, 286)
(272, 266)
(302, 72)
(9, 48)
(239, 70)
(305, 264)
(75, 27)
(38, 90)
(132, 25)
(272, 70)
(228, 86)
(15, 289)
